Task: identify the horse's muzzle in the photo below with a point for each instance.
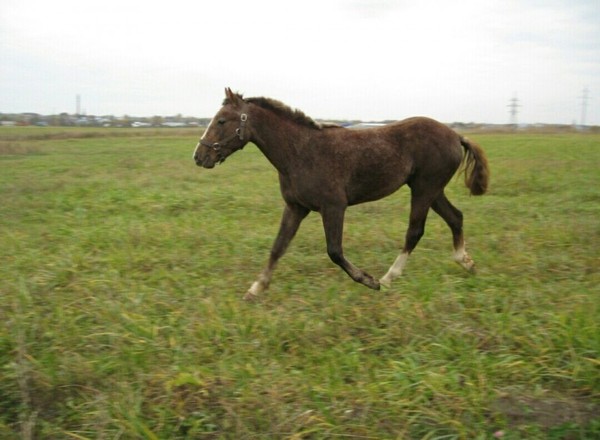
(205, 162)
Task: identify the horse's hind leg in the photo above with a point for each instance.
(454, 218)
(290, 222)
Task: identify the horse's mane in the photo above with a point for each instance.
(284, 111)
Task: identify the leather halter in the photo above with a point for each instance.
(239, 133)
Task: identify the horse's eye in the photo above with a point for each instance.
(221, 121)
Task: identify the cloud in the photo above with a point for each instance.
(372, 9)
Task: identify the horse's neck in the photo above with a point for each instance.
(279, 140)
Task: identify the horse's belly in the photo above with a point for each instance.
(376, 178)
(368, 190)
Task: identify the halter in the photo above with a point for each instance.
(239, 133)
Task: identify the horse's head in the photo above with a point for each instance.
(225, 134)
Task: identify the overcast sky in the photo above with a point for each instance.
(333, 59)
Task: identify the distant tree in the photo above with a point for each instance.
(64, 119)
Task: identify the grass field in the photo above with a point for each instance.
(122, 267)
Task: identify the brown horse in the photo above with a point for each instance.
(326, 168)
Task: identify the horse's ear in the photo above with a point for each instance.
(233, 98)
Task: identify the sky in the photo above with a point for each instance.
(455, 61)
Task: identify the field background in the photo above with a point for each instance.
(122, 267)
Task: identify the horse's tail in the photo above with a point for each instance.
(477, 172)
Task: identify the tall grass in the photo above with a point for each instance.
(122, 267)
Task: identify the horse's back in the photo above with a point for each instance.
(432, 146)
(419, 132)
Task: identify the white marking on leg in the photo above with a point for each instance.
(462, 257)
(255, 289)
(395, 270)
(259, 286)
(459, 254)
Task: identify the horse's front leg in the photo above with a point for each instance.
(290, 222)
(333, 222)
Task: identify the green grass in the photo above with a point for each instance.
(122, 267)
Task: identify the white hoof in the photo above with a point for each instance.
(465, 261)
(385, 283)
(254, 291)
(249, 296)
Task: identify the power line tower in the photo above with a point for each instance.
(514, 110)
(585, 96)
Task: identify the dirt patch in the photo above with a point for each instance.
(545, 411)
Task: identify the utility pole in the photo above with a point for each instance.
(585, 96)
(514, 106)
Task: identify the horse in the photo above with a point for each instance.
(327, 168)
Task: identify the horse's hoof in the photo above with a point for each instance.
(250, 296)
(373, 284)
(466, 262)
(469, 266)
(385, 284)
